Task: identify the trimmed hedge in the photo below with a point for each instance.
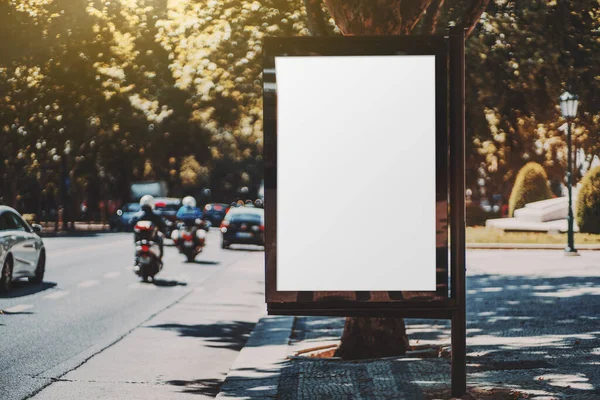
(531, 185)
(588, 202)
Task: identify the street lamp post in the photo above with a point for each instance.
(568, 108)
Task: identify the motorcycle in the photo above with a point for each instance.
(147, 250)
(190, 238)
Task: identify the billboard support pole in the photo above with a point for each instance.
(457, 209)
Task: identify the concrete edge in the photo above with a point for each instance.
(528, 246)
(259, 361)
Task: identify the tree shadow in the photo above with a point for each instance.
(23, 288)
(532, 333)
(225, 334)
(205, 387)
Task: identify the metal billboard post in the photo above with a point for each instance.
(457, 209)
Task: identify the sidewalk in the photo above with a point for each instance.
(267, 367)
(183, 352)
(532, 333)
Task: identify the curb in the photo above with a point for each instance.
(527, 246)
(258, 364)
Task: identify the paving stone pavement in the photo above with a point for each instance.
(533, 328)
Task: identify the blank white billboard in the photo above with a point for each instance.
(356, 201)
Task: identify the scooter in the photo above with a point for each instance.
(147, 250)
(190, 238)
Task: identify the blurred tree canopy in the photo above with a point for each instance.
(97, 94)
(521, 57)
(90, 92)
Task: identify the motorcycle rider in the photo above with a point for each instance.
(189, 213)
(147, 210)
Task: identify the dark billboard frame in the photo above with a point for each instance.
(355, 303)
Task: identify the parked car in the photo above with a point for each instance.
(167, 208)
(215, 212)
(22, 252)
(243, 225)
(121, 220)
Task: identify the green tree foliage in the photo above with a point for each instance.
(192, 174)
(149, 173)
(520, 58)
(531, 185)
(588, 202)
(93, 89)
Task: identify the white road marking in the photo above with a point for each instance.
(112, 275)
(56, 295)
(82, 248)
(18, 308)
(86, 284)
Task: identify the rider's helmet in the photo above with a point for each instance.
(189, 201)
(147, 201)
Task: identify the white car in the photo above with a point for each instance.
(22, 253)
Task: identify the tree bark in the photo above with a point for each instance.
(431, 18)
(473, 14)
(395, 17)
(373, 338)
(317, 24)
(376, 17)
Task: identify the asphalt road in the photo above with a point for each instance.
(89, 300)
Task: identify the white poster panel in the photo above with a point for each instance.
(356, 201)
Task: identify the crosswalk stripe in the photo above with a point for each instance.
(86, 284)
(18, 308)
(56, 295)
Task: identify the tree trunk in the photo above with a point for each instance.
(373, 338)
(381, 337)
(317, 24)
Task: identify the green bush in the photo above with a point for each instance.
(588, 202)
(531, 185)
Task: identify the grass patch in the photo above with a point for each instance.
(483, 235)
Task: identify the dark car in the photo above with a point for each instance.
(243, 225)
(121, 220)
(215, 212)
(167, 208)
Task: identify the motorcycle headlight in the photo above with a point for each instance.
(119, 212)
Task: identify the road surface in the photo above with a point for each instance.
(91, 298)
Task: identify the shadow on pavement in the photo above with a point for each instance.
(23, 288)
(206, 387)
(225, 334)
(532, 333)
(204, 262)
(15, 313)
(167, 283)
(245, 248)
